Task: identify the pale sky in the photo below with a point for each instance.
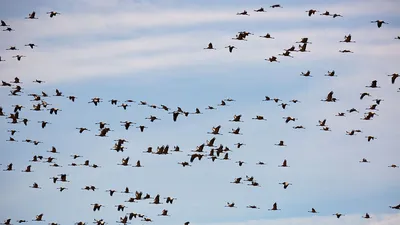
(153, 51)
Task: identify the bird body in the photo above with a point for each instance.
(210, 46)
(379, 23)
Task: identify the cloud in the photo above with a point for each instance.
(72, 47)
(130, 56)
(382, 219)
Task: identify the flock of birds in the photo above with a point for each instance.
(242, 35)
(214, 152)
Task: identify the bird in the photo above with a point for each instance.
(331, 74)
(362, 95)
(31, 15)
(28, 169)
(82, 129)
(304, 40)
(281, 143)
(12, 48)
(3, 24)
(9, 29)
(236, 118)
(322, 123)
(127, 124)
(272, 59)
(394, 77)
(283, 105)
(19, 57)
(141, 127)
(240, 163)
(306, 74)
(274, 207)
(287, 54)
(230, 205)
(268, 36)
(366, 216)
(313, 211)
(31, 45)
(156, 200)
(373, 84)
(53, 150)
(120, 207)
(284, 164)
(53, 13)
(364, 160)
(125, 161)
(330, 98)
(345, 51)
(184, 164)
(231, 47)
(338, 215)
(123, 105)
(258, 117)
(35, 186)
(152, 118)
(238, 145)
(336, 15)
(340, 114)
(291, 49)
(38, 81)
(96, 206)
(326, 13)
(352, 110)
(285, 184)
(379, 23)
(289, 118)
(39, 217)
(210, 46)
(235, 131)
(169, 200)
(347, 39)
(311, 12)
(175, 115)
(138, 164)
(164, 213)
(369, 138)
(326, 128)
(95, 100)
(244, 13)
(260, 10)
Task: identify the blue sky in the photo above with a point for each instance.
(153, 51)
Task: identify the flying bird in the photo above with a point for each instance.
(379, 23)
(210, 46)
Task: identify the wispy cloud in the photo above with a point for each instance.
(130, 55)
(383, 219)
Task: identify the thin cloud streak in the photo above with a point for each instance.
(186, 49)
(119, 20)
(383, 219)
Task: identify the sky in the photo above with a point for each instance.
(153, 51)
